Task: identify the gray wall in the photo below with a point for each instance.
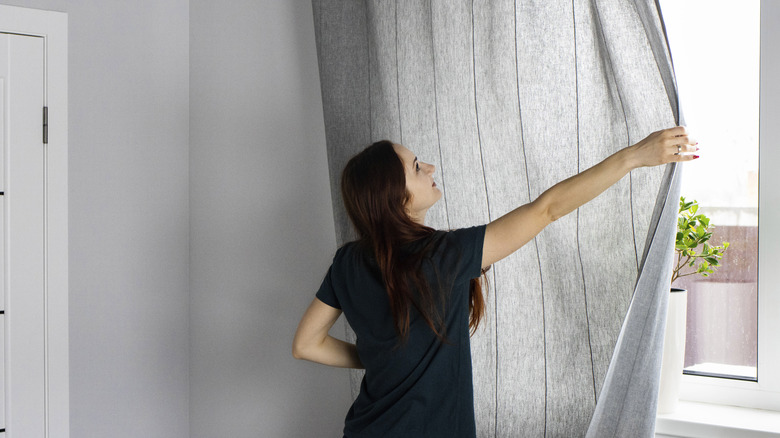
(262, 230)
(128, 212)
(251, 220)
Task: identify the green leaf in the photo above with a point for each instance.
(712, 260)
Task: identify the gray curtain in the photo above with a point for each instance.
(506, 98)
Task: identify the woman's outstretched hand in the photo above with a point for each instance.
(664, 146)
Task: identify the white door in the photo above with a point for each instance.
(23, 236)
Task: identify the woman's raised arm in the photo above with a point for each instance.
(508, 233)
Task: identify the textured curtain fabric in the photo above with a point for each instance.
(506, 98)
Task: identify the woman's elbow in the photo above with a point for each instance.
(298, 350)
(545, 210)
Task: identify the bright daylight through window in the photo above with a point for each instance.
(715, 48)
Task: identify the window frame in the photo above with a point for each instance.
(765, 392)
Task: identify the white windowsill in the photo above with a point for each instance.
(704, 420)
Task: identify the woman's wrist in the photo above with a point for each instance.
(629, 158)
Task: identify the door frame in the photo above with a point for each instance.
(53, 28)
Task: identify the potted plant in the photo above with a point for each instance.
(694, 256)
(693, 230)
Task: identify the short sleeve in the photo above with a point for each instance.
(464, 251)
(326, 293)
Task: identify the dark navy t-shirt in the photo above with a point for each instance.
(423, 387)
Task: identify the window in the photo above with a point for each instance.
(718, 79)
(723, 71)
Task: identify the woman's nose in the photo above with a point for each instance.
(431, 168)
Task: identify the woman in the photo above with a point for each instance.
(412, 294)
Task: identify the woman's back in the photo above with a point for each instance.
(419, 387)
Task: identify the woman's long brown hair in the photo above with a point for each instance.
(373, 186)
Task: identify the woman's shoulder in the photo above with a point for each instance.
(352, 253)
(465, 237)
(345, 250)
(353, 260)
(461, 250)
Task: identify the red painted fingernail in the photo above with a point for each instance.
(695, 157)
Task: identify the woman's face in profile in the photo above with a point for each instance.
(419, 182)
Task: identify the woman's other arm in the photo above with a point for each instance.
(313, 343)
(508, 233)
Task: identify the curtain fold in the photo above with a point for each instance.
(506, 98)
